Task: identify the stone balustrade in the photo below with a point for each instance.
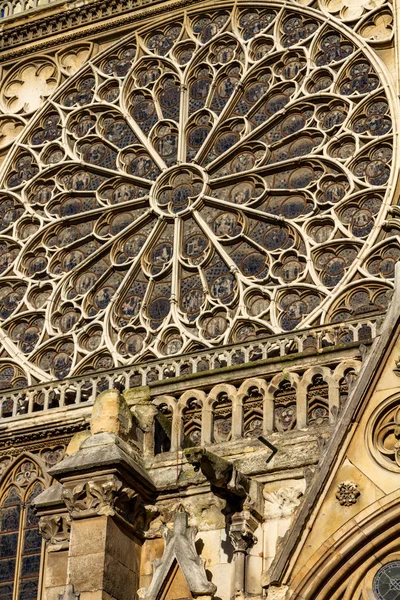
(13, 8)
(16, 7)
(76, 391)
(286, 401)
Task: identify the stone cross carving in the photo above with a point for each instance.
(180, 547)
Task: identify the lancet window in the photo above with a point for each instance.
(20, 540)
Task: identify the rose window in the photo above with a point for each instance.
(178, 189)
(220, 178)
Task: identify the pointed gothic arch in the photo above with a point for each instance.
(20, 541)
(7, 474)
(345, 567)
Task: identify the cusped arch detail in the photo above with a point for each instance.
(226, 132)
(26, 457)
(347, 365)
(337, 570)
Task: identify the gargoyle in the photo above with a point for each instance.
(221, 473)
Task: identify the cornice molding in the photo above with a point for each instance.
(87, 17)
(83, 17)
(45, 434)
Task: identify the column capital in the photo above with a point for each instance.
(55, 530)
(241, 531)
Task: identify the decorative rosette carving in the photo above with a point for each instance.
(347, 493)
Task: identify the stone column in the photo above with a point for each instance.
(104, 552)
(106, 494)
(241, 533)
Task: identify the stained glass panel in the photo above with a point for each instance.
(28, 589)
(31, 551)
(20, 539)
(10, 516)
(6, 591)
(386, 584)
(202, 203)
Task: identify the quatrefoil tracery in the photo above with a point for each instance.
(201, 184)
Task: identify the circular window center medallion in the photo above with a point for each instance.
(386, 584)
(228, 175)
(177, 189)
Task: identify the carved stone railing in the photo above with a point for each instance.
(76, 391)
(16, 7)
(292, 397)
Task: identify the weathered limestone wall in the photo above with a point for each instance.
(103, 560)
(359, 466)
(345, 536)
(55, 574)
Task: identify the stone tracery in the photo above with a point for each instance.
(214, 181)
